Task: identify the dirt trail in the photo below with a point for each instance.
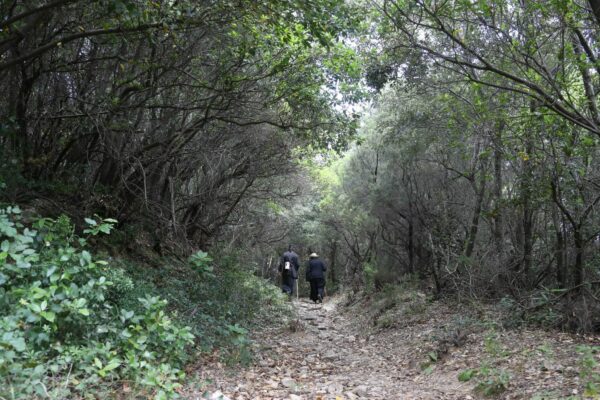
(331, 356)
(403, 347)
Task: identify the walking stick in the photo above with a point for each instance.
(297, 295)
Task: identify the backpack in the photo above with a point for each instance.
(288, 268)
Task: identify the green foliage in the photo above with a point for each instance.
(201, 262)
(545, 349)
(239, 351)
(490, 381)
(386, 322)
(433, 356)
(492, 345)
(427, 368)
(467, 374)
(369, 271)
(546, 314)
(62, 332)
(10, 173)
(219, 300)
(103, 226)
(588, 370)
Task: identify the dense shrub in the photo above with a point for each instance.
(61, 333)
(217, 299)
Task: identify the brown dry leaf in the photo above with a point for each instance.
(388, 363)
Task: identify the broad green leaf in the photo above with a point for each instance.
(90, 222)
(112, 365)
(48, 315)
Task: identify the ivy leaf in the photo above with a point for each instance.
(90, 222)
(50, 271)
(48, 316)
(112, 365)
(84, 311)
(18, 344)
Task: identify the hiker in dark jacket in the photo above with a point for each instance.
(315, 274)
(288, 267)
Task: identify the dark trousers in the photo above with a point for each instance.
(317, 286)
(287, 284)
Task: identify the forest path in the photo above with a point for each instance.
(325, 354)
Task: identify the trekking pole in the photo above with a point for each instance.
(297, 294)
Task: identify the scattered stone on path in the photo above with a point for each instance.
(266, 363)
(218, 395)
(288, 382)
(330, 355)
(335, 388)
(362, 390)
(342, 357)
(330, 358)
(350, 395)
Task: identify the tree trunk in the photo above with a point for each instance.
(21, 142)
(595, 5)
(498, 228)
(526, 182)
(332, 263)
(559, 249)
(475, 219)
(411, 247)
(579, 257)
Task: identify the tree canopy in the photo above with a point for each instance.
(219, 122)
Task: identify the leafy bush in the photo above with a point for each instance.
(492, 346)
(61, 331)
(588, 370)
(490, 381)
(219, 300)
(467, 374)
(369, 272)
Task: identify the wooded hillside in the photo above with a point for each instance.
(452, 144)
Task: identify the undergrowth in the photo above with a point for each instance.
(219, 300)
(75, 326)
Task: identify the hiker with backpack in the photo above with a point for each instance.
(315, 274)
(288, 267)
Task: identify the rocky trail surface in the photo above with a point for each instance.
(408, 352)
